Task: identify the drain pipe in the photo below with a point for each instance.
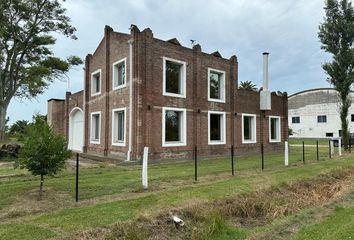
(130, 99)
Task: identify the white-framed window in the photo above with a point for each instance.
(216, 85)
(216, 127)
(118, 126)
(174, 77)
(249, 133)
(119, 70)
(96, 82)
(274, 129)
(174, 127)
(95, 127)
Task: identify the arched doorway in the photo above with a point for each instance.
(76, 130)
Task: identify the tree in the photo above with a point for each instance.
(247, 85)
(27, 62)
(19, 128)
(44, 152)
(336, 34)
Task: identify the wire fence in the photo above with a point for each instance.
(199, 166)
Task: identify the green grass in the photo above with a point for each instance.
(308, 141)
(170, 185)
(339, 225)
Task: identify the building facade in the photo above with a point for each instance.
(314, 113)
(142, 91)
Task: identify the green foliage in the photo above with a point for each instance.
(44, 152)
(19, 129)
(336, 34)
(290, 131)
(247, 85)
(27, 61)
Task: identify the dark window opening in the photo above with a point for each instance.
(173, 77)
(215, 85)
(247, 128)
(172, 126)
(295, 119)
(274, 125)
(322, 119)
(96, 127)
(119, 78)
(215, 127)
(119, 126)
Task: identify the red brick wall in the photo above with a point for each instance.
(149, 100)
(56, 115)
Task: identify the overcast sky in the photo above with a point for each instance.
(286, 29)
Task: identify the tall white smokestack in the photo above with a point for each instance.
(265, 71)
(265, 96)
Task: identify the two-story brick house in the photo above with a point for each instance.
(142, 91)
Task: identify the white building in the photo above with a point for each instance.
(314, 113)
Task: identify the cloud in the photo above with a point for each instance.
(287, 29)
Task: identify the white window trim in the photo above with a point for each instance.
(114, 74)
(92, 74)
(121, 143)
(255, 129)
(184, 128)
(184, 77)
(222, 100)
(278, 130)
(99, 129)
(223, 128)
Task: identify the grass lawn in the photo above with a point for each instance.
(308, 141)
(109, 194)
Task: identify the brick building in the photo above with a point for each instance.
(143, 91)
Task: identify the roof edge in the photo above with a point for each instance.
(311, 90)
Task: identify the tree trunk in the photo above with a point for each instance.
(2, 121)
(344, 122)
(41, 187)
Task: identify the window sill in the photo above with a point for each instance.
(275, 141)
(174, 95)
(95, 94)
(174, 144)
(248, 141)
(119, 87)
(119, 144)
(95, 142)
(216, 142)
(216, 100)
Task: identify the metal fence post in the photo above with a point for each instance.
(232, 160)
(329, 149)
(318, 158)
(77, 178)
(303, 151)
(195, 164)
(262, 151)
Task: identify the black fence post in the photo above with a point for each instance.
(329, 149)
(262, 151)
(232, 160)
(303, 151)
(318, 158)
(195, 164)
(77, 178)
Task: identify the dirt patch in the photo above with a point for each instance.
(28, 204)
(205, 219)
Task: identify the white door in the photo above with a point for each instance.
(76, 129)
